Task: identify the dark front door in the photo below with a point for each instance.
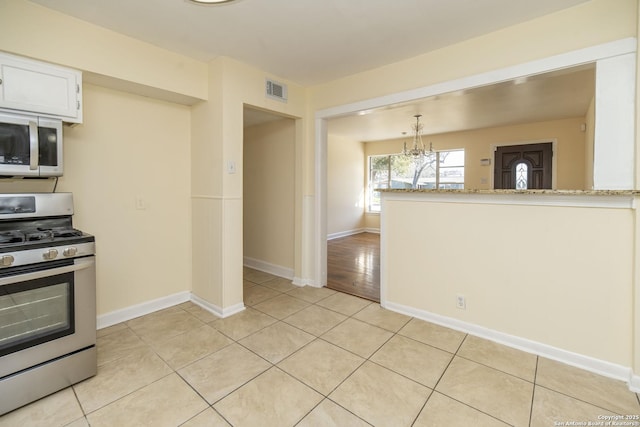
(524, 167)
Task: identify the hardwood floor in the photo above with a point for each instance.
(353, 265)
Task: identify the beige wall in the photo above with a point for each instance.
(128, 147)
(34, 31)
(215, 130)
(589, 24)
(570, 153)
(585, 25)
(215, 133)
(217, 138)
(269, 197)
(561, 276)
(345, 185)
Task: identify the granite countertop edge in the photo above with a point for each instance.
(521, 192)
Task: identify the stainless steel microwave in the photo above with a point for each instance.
(30, 145)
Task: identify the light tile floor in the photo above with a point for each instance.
(314, 357)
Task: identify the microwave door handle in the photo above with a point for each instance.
(33, 145)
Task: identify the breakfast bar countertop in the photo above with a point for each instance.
(511, 192)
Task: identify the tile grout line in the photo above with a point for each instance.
(147, 347)
(365, 360)
(174, 371)
(319, 338)
(368, 359)
(454, 355)
(496, 369)
(316, 338)
(576, 398)
(433, 390)
(533, 395)
(151, 348)
(272, 365)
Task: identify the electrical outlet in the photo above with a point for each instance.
(461, 302)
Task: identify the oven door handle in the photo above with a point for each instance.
(80, 264)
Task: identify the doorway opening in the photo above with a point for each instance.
(353, 265)
(269, 171)
(610, 59)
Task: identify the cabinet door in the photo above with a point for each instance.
(38, 87)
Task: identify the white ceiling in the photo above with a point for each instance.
(315, 41)
(556, 95)
(307, 41)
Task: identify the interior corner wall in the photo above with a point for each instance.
(268, 195)
(217, 190)
(345, 186)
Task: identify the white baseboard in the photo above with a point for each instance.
(590, 364)
(345, 233)
(634, 383)
(267, 267)
(218, 311)
(148, 307)
(128, 313)
(299, 281)
(352, 232)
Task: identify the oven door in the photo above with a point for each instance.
(46, 312)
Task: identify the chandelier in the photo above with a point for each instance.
(417, 151)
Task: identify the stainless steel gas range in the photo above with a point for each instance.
(47, 298)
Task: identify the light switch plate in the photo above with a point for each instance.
(231, 166)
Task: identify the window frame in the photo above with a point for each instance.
(438, 185)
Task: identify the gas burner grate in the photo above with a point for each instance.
(39, 235)
(68, 232)
(52, 233)
(11, 237)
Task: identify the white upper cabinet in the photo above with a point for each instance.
(38, 87)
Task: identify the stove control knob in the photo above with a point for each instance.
(6, 260)
(72, 251)
(50, 254)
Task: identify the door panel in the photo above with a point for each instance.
(538, 161)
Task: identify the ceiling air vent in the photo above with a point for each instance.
(276, 90)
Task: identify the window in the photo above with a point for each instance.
(522, 176)
(441, 170)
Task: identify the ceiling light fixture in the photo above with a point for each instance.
(417, 151)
